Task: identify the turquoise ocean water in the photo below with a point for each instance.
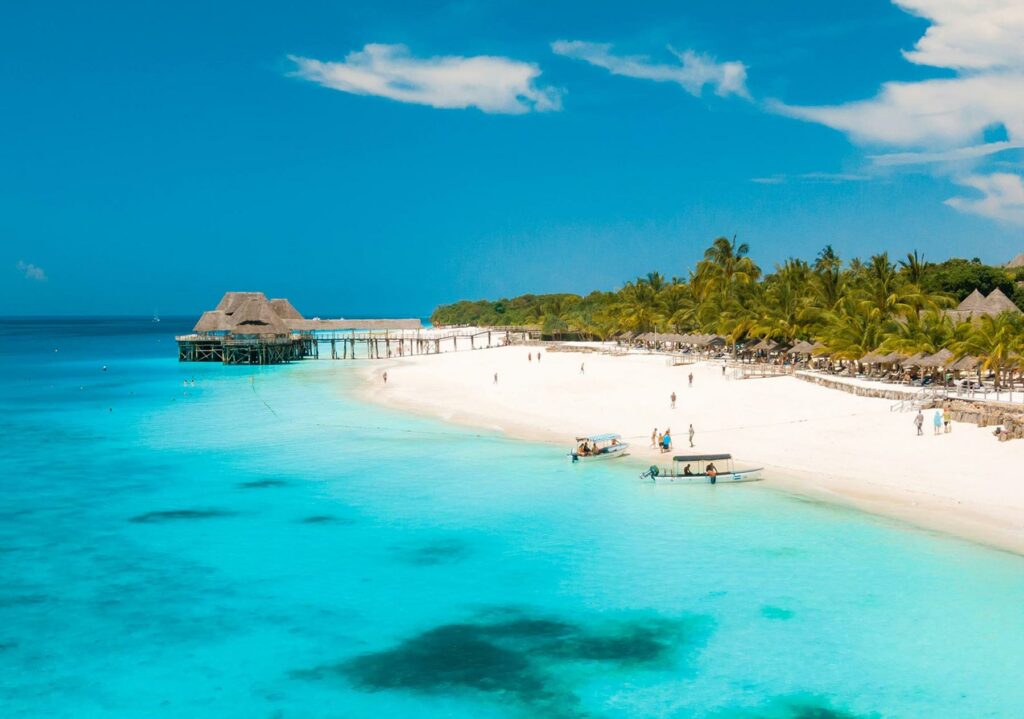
(265, 545)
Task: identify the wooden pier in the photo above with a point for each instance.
(343, 345)
(247, 328)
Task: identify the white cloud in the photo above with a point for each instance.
(943, 122)
(968, 34)
(937, 114)
(959, 154)
(31, 272)
(1002, 197)
(693, 72)
(489, 83)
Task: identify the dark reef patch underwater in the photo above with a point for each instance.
(174, 515)
(508, 655)
(439, 551)
(263, 484)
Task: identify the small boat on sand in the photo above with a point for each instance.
(599, 446)
(702, 469)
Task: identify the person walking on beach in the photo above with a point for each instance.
(495, 378)
(691, 435)
(529, 357)
(673, 400)
(723, 370)
(691, 379)
(538, 356)
(937, 421)
(654, 438)
(919, 423)
(581, 368)
(666, 441)
(947, 420)
(385, 377)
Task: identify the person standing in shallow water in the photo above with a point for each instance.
(919, 423)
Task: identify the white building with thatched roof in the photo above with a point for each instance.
(977, 305)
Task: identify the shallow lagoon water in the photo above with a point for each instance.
(265, 545)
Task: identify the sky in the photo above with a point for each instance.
(380, 158)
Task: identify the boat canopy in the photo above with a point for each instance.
(701, 457)
(599, 438)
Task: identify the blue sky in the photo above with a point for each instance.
(384, 157)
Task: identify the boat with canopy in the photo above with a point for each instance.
(702, 469)
(599, 446)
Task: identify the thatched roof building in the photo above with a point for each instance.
(231, 301)
(283, 309)
(212, 321)
(976, 305)
(257, 317)
(251, 313)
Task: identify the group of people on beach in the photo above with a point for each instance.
(942, 422)
(663, 442)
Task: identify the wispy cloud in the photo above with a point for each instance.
(30, 271)
(489, 83)
(692, 72)
(827, 177)
(943, 122)
(1002, 197)
(958, 154)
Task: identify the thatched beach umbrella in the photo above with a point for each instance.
(966, 363)
(937, 360)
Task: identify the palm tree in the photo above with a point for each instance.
(639, 308)
(914, 267)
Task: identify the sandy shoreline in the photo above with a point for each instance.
(817, 442)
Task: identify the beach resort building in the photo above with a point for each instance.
(248, 328)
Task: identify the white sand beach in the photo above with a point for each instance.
(815, 441)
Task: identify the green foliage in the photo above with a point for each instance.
(851, 308)
(959, 278)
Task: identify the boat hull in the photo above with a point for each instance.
(619, 451)
(745, 475)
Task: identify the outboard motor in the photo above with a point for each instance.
(652, 473)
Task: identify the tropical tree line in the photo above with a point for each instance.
(850, 307)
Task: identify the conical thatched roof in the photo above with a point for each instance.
(974, 302)
(939, 359)
(997, 303)
(255, 317)
(913, 360)
(284, 309)
(213, 321)
(1017, 261)
(802, 347)
(965, 364)
(231, 301)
